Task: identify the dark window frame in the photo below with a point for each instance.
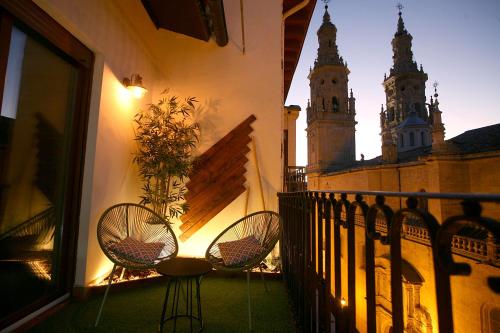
(412, 139)
(39, 25)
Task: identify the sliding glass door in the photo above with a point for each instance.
(41, 154)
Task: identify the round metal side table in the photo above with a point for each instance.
(183, 272)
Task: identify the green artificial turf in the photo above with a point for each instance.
(138, 309)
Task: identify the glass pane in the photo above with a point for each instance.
(35, 123)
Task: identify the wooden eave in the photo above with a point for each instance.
(295, 33)
(186, 17)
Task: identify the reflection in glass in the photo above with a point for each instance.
(35, 124)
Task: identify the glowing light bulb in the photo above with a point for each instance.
(137, 91)
(343, 302)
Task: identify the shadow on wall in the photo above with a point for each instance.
(208, 116)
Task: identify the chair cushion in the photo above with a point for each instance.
(237, 252)
(135, 250)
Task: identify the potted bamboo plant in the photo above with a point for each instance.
(167, 136)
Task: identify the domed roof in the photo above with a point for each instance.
(413, 120)
(327, 24)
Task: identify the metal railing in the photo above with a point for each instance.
(311, 251)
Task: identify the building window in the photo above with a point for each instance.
(417, 108)
(412, 139)
(422, 138)
(402, 140)
(335, 104)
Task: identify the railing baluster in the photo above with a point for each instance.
(309, 241)
(328, 261)
(370, 237)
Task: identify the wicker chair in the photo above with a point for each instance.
(264, 227)
(134, 237)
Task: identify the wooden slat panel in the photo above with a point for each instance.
(212, 213)
(237, 168)
(227, 196)
(209, 177)
(218, 166)
(222, 142)
(217, 179)
(205, 202)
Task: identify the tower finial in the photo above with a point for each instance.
(399, 6)
(326, 16)
(435, 85)
(401, 24)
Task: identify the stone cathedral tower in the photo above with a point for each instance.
(405, 123)
(331, 110)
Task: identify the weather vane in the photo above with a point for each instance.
(435, 85)
(399, 6)
(326, 3)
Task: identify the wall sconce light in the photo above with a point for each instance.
(134, 85)
(343, 302)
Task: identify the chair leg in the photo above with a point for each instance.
(263, 280)
(249, 303)
(110, 278)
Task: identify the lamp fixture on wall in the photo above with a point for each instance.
(134, 85)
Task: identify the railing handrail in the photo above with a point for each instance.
(318, 280)
(485, 197)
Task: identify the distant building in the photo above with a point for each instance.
(331, 111)
(415, 157)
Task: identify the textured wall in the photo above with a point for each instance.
(229, 85)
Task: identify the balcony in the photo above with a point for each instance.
(352, 262)
(388, 262)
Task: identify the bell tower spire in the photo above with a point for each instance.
(327, 37)
(406, 119)
(401, 47)
(331, 114)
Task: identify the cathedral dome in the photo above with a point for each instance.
(327, 28)
(413, 120)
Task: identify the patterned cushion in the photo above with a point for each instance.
(237, 252)
(135, 250)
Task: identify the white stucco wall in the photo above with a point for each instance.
(229, 85)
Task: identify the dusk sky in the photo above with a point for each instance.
(456, 41)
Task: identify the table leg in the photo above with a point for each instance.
(178, 283)
(190, 301)
(162, 319)
(198, 300)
